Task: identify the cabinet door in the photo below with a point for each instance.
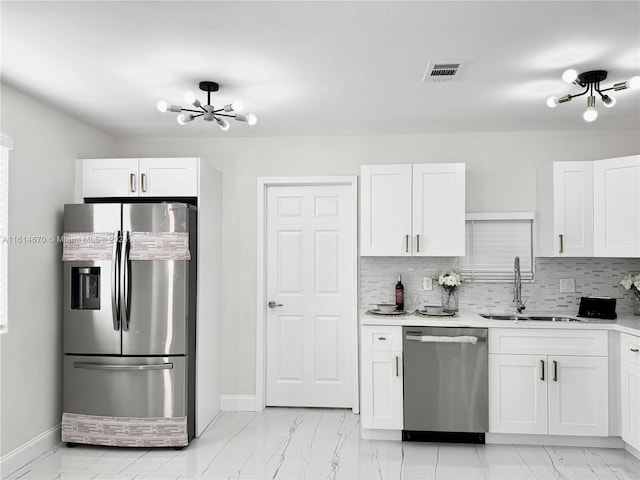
(616, 201)
(168, 177)
(573, 209)
(110, 177)
(385, 209)
(439, 209)
(630, 389)
(381, 390)
(578, 398)
(518, 394)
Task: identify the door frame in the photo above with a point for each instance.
(261, 310)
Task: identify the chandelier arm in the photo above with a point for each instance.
(605, 90)
(223, 114)
(586, 90)
(189, 110)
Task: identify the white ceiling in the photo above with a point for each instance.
(322, 68)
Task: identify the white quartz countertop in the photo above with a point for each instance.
(627, 324)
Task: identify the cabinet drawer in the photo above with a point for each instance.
(383, 338)
(630, 348)
(546, 341)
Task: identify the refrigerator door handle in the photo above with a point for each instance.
(105, 366)
(125, 266)
(115, 285)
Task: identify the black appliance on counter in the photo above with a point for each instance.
(598, 307)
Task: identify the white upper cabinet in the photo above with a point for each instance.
(565, 209)
(438, 209)
(385, 210)
(616, 192)
(413, 210)
(139, 177)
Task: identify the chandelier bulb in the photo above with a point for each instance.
(608, 101)
(223, 124)
(570, 75)
(162, 105)
(634, 83)
(590, 114)
(189, 97)
(252, 119)
(184, 118)
(553, 102)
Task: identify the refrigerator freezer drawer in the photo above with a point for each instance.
(125, 386)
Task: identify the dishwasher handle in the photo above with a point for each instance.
(446, 339)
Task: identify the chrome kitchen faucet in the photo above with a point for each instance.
(517, 286)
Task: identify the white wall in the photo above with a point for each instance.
(500, 176)
(41, 181)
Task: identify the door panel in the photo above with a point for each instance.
(159, 312)
(310, 235)
(168, 177)
(125, 386)
(578, 396)
(109, 177)
(385, 227)
(518, 393)
(91, 330)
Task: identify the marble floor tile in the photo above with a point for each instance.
(324, 444)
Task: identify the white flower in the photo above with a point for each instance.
(627, 282)
(450, 279)
(637, 283)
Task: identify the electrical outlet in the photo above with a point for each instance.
(567, 285)
(426, 283)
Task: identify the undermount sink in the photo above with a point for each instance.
(505, 317)
(535, 318)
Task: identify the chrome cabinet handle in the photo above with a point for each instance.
(417, 243)
(561, 243)
(397, 366)
(542, 369)
(132, 182)
(555, 371)
(273, 304)
(105, 366)
(382, 338)
(406, 243)
(143, 182)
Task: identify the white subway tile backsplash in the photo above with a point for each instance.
(593, 277)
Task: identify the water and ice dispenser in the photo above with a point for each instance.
(85, 288)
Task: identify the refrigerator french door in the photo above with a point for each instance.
(129, 324)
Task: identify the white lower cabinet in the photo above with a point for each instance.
(381, 378)
(540, 390)
(630, 389)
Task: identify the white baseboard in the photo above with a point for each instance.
(24, 454)
(632, 451)
(238, 403)
(378, 434)
(555, 440)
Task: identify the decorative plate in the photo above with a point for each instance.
(441, 314)
(377, 311)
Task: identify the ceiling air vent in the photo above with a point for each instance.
(443, 71)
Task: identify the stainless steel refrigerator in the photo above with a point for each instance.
(129, 324)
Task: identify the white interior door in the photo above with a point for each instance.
(310, 236)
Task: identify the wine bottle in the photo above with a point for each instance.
(399, 294)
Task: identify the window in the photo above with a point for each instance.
(493, 240)
(5, 145)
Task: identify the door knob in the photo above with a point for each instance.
(273, 304)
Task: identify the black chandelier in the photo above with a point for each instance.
(208, 112)
(590, 81)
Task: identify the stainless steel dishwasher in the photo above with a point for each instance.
(445, 384)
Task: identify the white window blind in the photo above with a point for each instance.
(492, 245)
(5, 146)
